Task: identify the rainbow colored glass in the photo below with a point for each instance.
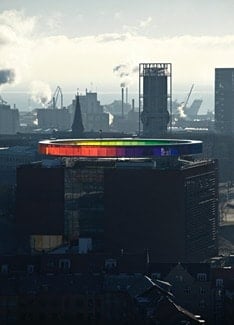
(119, 148)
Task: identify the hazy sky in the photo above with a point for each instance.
(76, 43)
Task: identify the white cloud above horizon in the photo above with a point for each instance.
(77, 61)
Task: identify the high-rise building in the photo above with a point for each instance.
(224, 100)
(135, 195)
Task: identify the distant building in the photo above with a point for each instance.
(129, 123)
(58, 119)
(224, 100)
(93, 116)
(77, 125)
(84, 298)
(154, 93)
(9, 119)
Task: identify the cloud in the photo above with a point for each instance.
(54, 21)
(117, 15)
(75, 62)
(12, 21)
(112, 37)
(139, 28)
(15, 42)
(146, 22)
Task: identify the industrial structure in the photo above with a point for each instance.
(9, 118)
(224, 100)
(55, 116)
(124, 194)
(155, 91)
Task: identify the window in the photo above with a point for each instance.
(187, 290)
(202, 304)
(202, 277)
(219, 282)
(64, 264)
(4, 268)
(202, 291)
(110, 263)
(30, 269)
(179, 278)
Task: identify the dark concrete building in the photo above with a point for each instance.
(166, 207)
(172, 213)
(40, 205)
(224, 100)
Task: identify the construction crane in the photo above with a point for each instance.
(54, 100)
(182, 107)
(187, 99)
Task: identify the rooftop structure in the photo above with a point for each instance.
(119, 148)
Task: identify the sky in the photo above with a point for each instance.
(78, 44)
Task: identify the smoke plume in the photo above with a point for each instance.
(180, 110)
(7, 76)
(123, 71)
(40, 92)
(119, 68)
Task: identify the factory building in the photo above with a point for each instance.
(126, 196)
(50, 118)
(224, 100)
(9, 119)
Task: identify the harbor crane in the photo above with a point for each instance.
(57, 94)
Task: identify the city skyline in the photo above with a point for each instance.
(82, 45)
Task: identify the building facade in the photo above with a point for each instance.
(9, 119)
(93, 116)
(224, 100)
(40, 205)
(131, 205)
(58, 119)
(171, 212)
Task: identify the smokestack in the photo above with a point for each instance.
(133, 105)
(126, 95)
(54, 105)
(122, 91)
